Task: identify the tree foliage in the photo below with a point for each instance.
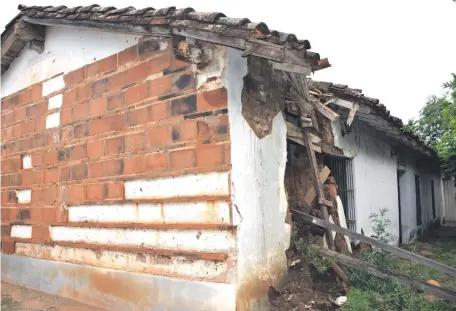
(436, 125)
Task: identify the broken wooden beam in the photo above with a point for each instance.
(371, 269)
(386, 247)
(328, 113)
(311, 194)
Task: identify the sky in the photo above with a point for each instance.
(400, 51)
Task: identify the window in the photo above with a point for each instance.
(342, 171)
(419, 221)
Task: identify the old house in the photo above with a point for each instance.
(151, 158)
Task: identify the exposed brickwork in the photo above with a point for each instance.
(133, 115)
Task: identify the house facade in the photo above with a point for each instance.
(384, 167)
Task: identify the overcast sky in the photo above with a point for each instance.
(400, 51)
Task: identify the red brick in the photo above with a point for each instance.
(69, 97)
(138, 116)
(91, 70)
(79, 152)
(134, 165)
(160, 86)
(8, 247)
(41, 233)
(212, 100)
(157, 162)
(116, 101)
(134, 142)
(115, 190)
(79, 171)
(39, 140)
(114, 167)
(36, 214)
(27, 178)
(28, 127)
(95, 148)
(7, 118)
(38, 177)
(108, 63)
(66, 116)
(65, 174)
(37, 110)
(127, 55)
(6, 228)
(98, 106)
(136, 94)
(81, 111)
(96, 169)
(177, 63)
(183, 82)
(64, 154)
(40, 124)
(81, 130)
(50, 157)
(27, 144)
(158, 136)
(184, 105)
(19, 114)
(50, 195)
(160, 63)
(74, 77)
(115, 145)
(77, 192)
(37, 91)
(51, 175)
(184, 158)
(36, 196)
(104, 125)
(26, 97)
(84, 92)
(138, 72)
(117, 81)
(148, 47)
(159, 111)
(99, 87)
(37, 159)
(185, 131)
(211, 155)
(67, 133)
(49, 214)
(96, 192)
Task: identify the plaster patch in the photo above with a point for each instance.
(21, 231)
(26, 161)
(53, 120)
(53, 85)
(24, 196)
(55, 102)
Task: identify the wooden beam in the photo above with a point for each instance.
(275, 53)
(371, 269)
(311, 194)
(293, 68)
(389, 248)
(328, 113)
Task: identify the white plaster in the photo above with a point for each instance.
(179, 212)
(133, 262)
(171, 239)
(26, 161)
(21, 231)
(449, 195)
(375, 181)
(53, 85)
(55, 102)
(215, 183)
(257, 190)
(65, 49)
(53, 120)
(24, 196)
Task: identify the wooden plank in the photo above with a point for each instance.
(389, 248)
(310, 195)
(275, 53)
(325, 202)
(351, 115)
(303, 70)
(371, 269)
(318, 185)
(328, 113)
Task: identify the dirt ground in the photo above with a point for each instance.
(17, 298)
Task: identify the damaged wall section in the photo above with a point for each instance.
(258, 194)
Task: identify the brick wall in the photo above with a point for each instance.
(73, 144)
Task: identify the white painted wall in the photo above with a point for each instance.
(449, 194)
(258, 194)
(375, 181)
(65, 49)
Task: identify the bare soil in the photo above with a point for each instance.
(18, 298)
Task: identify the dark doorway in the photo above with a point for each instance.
(419, 221)
(400, 173)
(433, 199)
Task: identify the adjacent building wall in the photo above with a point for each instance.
(121, 165)
(375, 180)
(449, 194)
